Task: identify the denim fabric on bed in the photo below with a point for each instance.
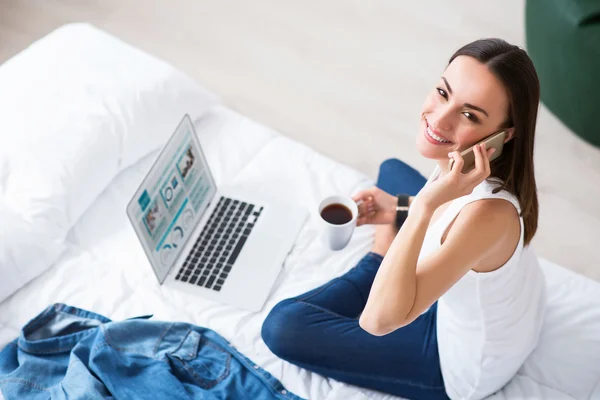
(69, 353)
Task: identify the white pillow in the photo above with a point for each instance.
(25, 252)
(77, 107)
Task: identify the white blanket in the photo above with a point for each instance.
(76, 107)
(105, 269)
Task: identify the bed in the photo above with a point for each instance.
(102, 267)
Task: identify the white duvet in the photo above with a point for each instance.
(104, 268)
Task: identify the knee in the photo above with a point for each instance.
(281, 330)
(395, 176)
(393, 166)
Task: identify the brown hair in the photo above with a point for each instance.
(513, 67)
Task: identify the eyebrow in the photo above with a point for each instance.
(476, 108)
(447, 85)
(468, 105)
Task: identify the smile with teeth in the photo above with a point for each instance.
(436, 137)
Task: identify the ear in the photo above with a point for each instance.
(510, 133)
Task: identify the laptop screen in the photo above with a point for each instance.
(172, 198)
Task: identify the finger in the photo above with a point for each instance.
(479, 160)
(482, 162)
(359, 196)
(362, 194)
(363, 208)
(458, 162)
(485, 156)
(475, 174)
(365, 219)
(488, 154)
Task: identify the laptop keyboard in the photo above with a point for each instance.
(211, 259)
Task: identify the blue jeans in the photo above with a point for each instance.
(69, 353)
(319, 330)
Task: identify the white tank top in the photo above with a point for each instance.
(487, 323)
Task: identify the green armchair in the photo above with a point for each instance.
(563, 40)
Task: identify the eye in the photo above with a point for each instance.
(442, 93)
(471, 117)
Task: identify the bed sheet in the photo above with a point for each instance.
(105, 269)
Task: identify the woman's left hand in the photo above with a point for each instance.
(455, 184)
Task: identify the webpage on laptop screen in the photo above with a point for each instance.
(172, 198)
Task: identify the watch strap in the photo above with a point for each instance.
(401, 209)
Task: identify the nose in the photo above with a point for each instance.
(441, 120)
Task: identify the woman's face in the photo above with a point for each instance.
(467, 105)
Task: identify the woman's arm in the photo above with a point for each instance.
(402, 290)
(393, 292)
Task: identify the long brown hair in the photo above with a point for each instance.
(513, 67)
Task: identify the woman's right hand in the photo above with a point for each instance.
(377, 207)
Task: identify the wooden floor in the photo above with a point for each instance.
(346, 77)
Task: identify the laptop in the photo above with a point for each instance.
(220, 243)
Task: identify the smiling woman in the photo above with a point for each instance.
(450, 303)
(479, 94)
(458, 117)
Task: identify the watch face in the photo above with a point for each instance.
(402, 201)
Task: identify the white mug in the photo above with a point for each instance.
(336, 237)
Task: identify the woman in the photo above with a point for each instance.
(451, 304)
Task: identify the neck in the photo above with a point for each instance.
(443, 164)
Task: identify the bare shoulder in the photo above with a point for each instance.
(492, 224)
(501, 212)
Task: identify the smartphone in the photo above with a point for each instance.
(496, 140)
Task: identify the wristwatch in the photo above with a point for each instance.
(401, 209)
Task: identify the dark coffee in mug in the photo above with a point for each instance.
(337, 214)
